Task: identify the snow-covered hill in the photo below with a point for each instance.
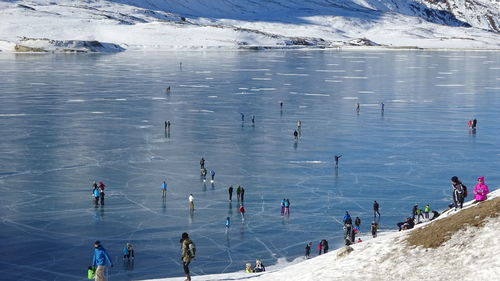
(195, 24)
(460, 246)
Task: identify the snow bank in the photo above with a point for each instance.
(470, 254)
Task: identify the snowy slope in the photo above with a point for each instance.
(470, 254)
(197, 24)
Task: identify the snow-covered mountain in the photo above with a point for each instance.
(174, 24)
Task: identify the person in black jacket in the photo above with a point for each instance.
(458, 192)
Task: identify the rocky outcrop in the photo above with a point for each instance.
(39, 45)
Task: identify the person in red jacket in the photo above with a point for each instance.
(242, 212)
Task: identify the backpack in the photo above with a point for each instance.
(192, 250)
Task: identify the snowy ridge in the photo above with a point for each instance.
(199, 24)
(470, 254)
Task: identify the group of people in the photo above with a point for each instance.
(259, 267)
(98, 192)
(285, 206)
(240, 193)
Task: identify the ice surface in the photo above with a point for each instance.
(67, 120)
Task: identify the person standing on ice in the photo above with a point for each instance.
(283, 206)
(204, 174)
(253, 120)
(242, 117)
(337, 157)
(357, 222)
(191, 202)
(202, 163)
(458, 192)
(347, 218)
(287, 206)
(242, 195)
(228, 223)
(320, 247)
(230, 191)
(375, 209)
(100, 260)
(481, 190)
(382, 105)
(164, 189)
(212, 174)
(308, 250)
(357, 108)
(296, 135)
(474, 123)
(281, 106)
(238, 193)
(101, 190)
(96, 193)
(242, 212)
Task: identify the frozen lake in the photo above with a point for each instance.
(67, 120)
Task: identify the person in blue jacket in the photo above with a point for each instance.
(164, 189)
(347, 218)
(97, 194)
(212, 174)
(101, 260)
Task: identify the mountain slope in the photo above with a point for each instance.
(180, 24)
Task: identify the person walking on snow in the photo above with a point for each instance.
(308, 250)
(100, 260)
(164, 189)
(480, 190)
(187, 254)
(458, 192)
(427, 209)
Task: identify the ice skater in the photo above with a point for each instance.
(281, 106)
(357, 108)
(382, 105)
(375, 209)
(168, 90)
(101, 191)
(191, 202)
(299, 125)
(230, 191)
(164, 189)
(308, 250)
(212, 175)
(96, 193)
(204, 174)
(296, 135)
(253, 120)
(242, 117)
(242, 212)
(100, 260)
(287, 206)
(202, 163)
(242, 195)
(283, 206)
(238, 193)
(474, 123)
(337, 157)
(128, 252)
(228, 223)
